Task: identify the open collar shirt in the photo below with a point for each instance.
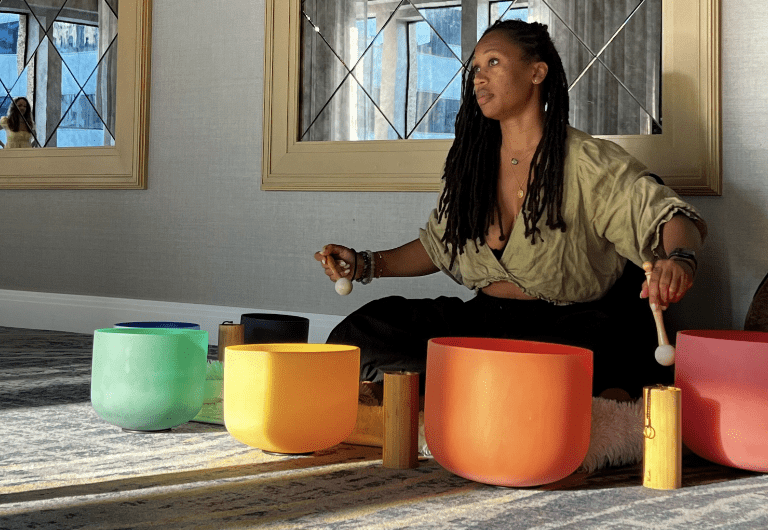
(613, 210)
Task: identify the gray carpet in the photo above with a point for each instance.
(63, 467)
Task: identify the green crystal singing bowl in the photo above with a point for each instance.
(148, 379)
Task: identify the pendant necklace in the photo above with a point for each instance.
(520, 191)
(515, 161)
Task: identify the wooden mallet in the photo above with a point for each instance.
(665, 352)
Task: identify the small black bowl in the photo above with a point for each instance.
(264, 328)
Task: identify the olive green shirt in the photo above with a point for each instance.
(613, 210)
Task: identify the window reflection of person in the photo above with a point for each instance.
(18, 124)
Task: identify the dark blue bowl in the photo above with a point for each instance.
(158, 324)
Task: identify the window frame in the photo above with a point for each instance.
(691, 110)
(122, 166)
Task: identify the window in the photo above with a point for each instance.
(374, 74)
(9, 37)
(81, 125)
(405, 147)
(508, 10)
(119, 166)
(435, 63)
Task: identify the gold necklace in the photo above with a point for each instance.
(520, 191)
(516, 160)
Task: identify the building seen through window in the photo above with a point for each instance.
(414, 92)
(391, 70)
(9, 36)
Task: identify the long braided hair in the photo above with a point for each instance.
(469, 201)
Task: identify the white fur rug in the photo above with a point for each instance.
(616, 435)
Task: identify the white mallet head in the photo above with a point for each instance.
(343, 286)
(665, 355)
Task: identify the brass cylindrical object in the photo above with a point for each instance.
(662, 437)
(230, 334)
(401, 420)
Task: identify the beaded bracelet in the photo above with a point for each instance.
(379, 267)
(367, 275)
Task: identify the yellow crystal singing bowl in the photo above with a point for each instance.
(291, 397)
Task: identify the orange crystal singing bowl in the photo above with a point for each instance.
(723, 376)
(507, 412)
(291, 397)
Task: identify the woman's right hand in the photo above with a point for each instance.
(337, 261)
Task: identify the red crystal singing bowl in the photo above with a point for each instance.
(723, 376)
(507, 412)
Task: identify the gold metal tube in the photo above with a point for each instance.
(662, 437)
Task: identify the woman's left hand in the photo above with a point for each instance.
(670, 280)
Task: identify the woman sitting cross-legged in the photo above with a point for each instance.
(539, 220)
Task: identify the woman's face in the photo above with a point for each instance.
(22, 105)
(504, 81)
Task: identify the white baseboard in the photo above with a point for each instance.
(84, 314)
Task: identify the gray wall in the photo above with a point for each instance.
(205, 233)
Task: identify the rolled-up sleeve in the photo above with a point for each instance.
(629, 206)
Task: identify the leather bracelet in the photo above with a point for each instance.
(688, 262)
(682, 254)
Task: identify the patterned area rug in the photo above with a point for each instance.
(63, 467)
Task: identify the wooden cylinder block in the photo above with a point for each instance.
(401, 420)
(230, 334)
(662, 437)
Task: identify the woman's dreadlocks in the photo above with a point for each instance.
(469, 201)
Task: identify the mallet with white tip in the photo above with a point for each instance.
(343, 286)
(665, 352)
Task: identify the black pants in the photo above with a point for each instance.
(393, 332)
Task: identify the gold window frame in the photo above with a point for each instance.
(687, 155)
(122, 166)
